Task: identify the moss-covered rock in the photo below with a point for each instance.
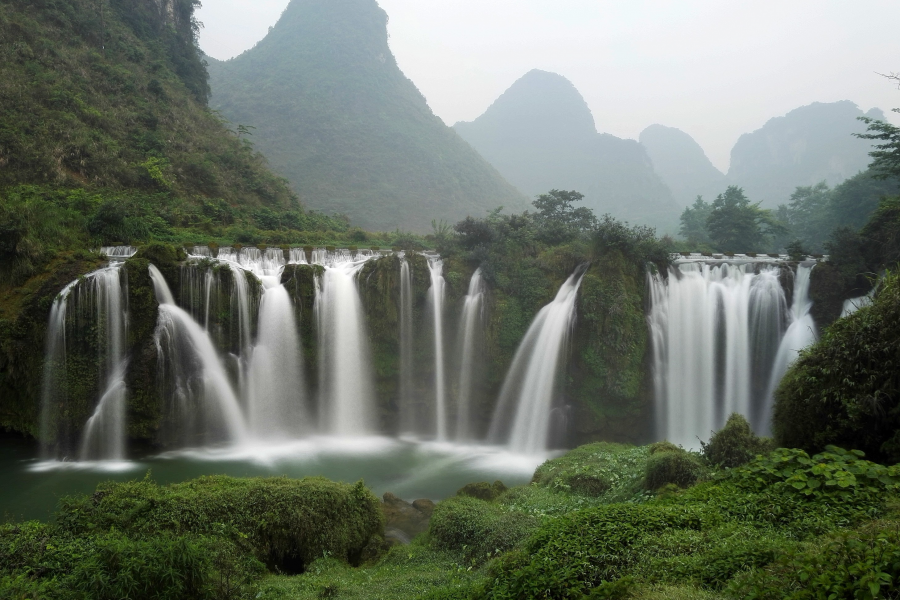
(672, 465)
(609, 383)
(144, 406)
(477, 528)
(287, 522)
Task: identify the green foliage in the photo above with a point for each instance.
(287, 523)
(673, 466)
(602, 469)
(693, 223)
(832, 475)
(558, 220)
(886, 155)
(862, 563)
(844, 390)
(483, 490)
(735, 444)
(736, 225)
(478, 529)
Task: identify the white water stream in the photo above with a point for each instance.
(471, 324)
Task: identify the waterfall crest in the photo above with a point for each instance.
(530, 384)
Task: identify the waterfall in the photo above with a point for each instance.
(407, 418)
(54, 386)
(854, 304)
(202, 406)
(436, 300)
(717, 333)
(530, 384)
(470, 326)
(277, 403)
(105, 293)
(800, 334)
(346, 382)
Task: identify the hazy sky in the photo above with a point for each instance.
(711, 68)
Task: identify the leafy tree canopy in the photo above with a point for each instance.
(693, 222)
(736, 225)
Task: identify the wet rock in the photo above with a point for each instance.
(404, 521)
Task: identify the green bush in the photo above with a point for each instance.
(673, 466)
(611, 471)
(863, 563)
(287, 523)
(477, 528)
(735, 444)
(482, 490)
(845, 390)
(572, 555)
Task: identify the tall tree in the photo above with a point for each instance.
(693, 222)
(736, 225)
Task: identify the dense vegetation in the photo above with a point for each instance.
(208, 538)
(335, 115)
(105, 137)
(524, 259)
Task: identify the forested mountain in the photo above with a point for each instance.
(682, 164)
(540, 134)
(806, 146)
(113, 96)
(335, 115)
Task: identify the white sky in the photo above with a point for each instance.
(713, 68)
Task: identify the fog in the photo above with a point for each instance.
(715, 70)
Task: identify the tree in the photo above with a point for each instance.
(887, 154)
(693, 222)
(736, 225)
(807, 216)
(557, 218)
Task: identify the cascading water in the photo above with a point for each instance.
(800, 334)
(277, 406)
(201, 406)
(716, 332)
(530, 384)
(104, 433)
(470, 327)
(436, 301)
(53, 392)
(346, 404)
(407, 419)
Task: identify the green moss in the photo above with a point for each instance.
(677, 467)
(735, 444)
(144, 406)
(483, 490)
(288, 523)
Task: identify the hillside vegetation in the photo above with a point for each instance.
(105, 136)
(335, 115)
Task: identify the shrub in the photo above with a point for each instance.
(595, 470)
(735, 444)
(482, 490)
(287, 523)
(477, 528)
(677, 467)
(574, 554)
(845, 390)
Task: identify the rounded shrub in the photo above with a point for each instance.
(735, 444)
(672, 465)
(477, 528)
(287, 523)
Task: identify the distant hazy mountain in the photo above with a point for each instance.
(540, 135)
(681, 163)
(808, 145)
(335, 116)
